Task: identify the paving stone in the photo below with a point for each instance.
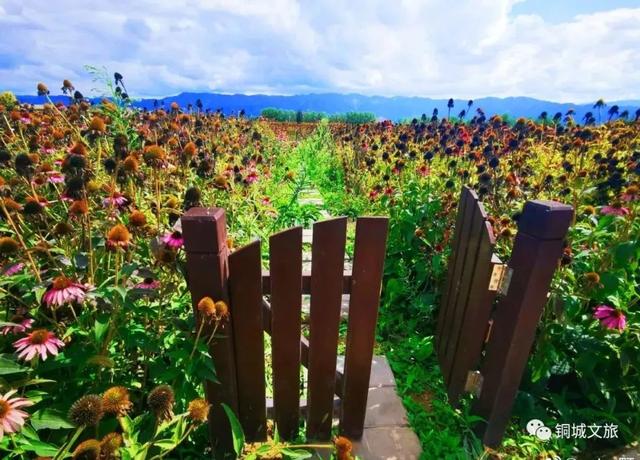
(384, 409)
(388, 443)
(381, 374)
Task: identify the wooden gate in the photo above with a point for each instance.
(270, 301)
(484, 348)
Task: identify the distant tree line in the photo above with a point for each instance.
(300, 116)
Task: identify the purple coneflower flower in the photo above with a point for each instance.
(148, 284)
(116, 200)
(610, 317)
(39, 342)
(63, 291)
(11, 416)
(20, 327)
(54, 177)
(252, 177)
(614, 210)
(173, 240)
(11, 270)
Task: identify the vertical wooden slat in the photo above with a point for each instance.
(470, 202)
(205, 240)
(285, 255)
(449, 284)
(327, 266)
(368, 264)
(245, 289)
(537, 248)
(462, 298)
(468, 349)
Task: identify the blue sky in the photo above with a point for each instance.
(561, 50)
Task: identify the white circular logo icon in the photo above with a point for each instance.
(533, 426)
(536, 428)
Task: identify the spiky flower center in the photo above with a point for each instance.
(119, 234)
(4, 408)
(39, 336)
(61, 282)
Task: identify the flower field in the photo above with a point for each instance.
(100, 355)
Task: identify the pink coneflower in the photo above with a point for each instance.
(252, 177)
(116, 199)
(266, 201)
(11, 417)
(424, 170)
(614, 210)
(373, 194)
(47, 150)
(39, 342)
(11, 270)
(610, 317)
(632, 193)
(20, 326)
(388, 191)
(148, 284)
(173, 240)
(63, 291)
(54, 177)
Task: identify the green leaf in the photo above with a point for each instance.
(9, 366)
(49, 419)
(41, 449)
(236, 430)
(101, 327)
(296, 454)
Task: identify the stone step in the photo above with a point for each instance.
(387, 434)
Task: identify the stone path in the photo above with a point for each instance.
(387, 434)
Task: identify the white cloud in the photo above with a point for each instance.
(438, 48)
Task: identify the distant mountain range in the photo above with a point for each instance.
(393, 108)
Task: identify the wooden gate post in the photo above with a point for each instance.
(205, 237)
(537, 248)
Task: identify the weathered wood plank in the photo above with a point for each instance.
(462, 297)
(476, 317)
(327, 268)
(368, 264)
(245, 286)
(285, 259)
(449, 284)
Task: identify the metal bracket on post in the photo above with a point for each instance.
(497, 274)
(474, 383)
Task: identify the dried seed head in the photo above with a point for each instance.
(62, 228)
(592, 277)
(98, 125)
(137, 219)
(161, 400)
(87, 450)
(79, 208)
(116, 401)
(222, 310)
(8, 245)
(207, 307)
(118, 237)
(198, 410)
(343, 448)
(86, 411)
(130, 164)
(109, 446)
